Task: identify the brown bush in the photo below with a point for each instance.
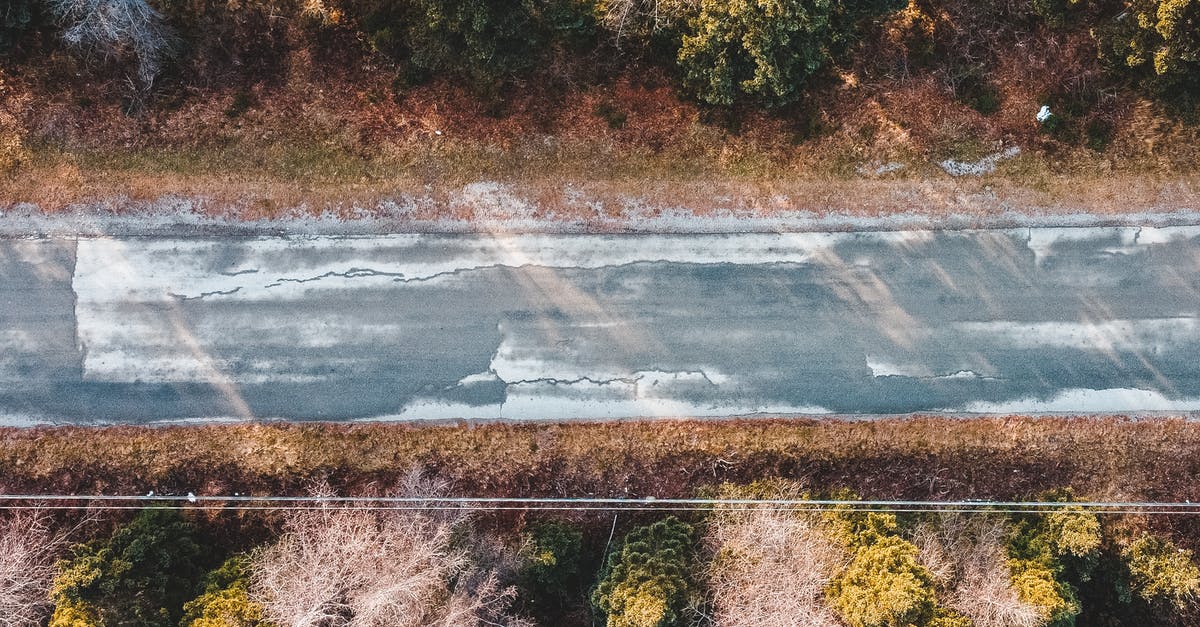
(343, 564)
(770, 567)
(29, 546)
(966, 554)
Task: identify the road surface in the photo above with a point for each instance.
(417, 327)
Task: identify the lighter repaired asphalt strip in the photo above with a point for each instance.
(413, 327)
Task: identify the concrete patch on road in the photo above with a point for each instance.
(1087, 401)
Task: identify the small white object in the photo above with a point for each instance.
(191, 498)
(437, 132)
(150, 493)
(1043, 114)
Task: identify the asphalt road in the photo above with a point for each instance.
(404, 327)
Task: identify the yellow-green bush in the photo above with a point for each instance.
(1036, 584)
(141, 576)
(1048, 551)
(1160, 39)
(884, 585)
(647, 581)
(1159, 571)
(226, 599)
(1073, 532)
(75, 614)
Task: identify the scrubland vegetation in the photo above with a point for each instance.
(332, 563)
(358, 99)
(338, 564)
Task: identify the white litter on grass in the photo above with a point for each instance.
(983, 166)
(876, 168)
(1043, 114)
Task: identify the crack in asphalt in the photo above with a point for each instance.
(399, 277)
(203, 295)
(352, 273)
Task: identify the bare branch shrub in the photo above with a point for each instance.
(770, 567)
(641, 18)
(29, 547)
(967, 557)
(341, 564)
(117, 29)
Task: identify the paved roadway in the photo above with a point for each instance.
(416, 327)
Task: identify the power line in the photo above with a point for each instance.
(219, 508)
(291, 503)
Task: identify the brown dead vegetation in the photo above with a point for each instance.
(920, 458)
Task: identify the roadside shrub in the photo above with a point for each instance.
(120, 30)
(766, 50)
(16, 18)
(646, 582)
(768, 566)
(552, 555)
(337, 565)
(966, 555)
(485, 42)
(884, 584)
(974, 89)
(761, 49)
(1158, 40)
(28, 550)
(1055, 12)
(1098, 134)
(1161, 572)
(913, 30)
(1036, 584)
(76, 614)
(1050, 553)
(141, 576)
(1072, 532)
(226, 599)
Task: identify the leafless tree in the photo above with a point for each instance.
(348, 565)
(770, 567)
(640, 18)
(967, 557)
(29, 546)
(117, 29)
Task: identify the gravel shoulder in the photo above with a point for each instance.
(163, 205)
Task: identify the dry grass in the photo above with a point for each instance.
(923, 457)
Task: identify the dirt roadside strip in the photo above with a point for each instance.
(150, 206)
